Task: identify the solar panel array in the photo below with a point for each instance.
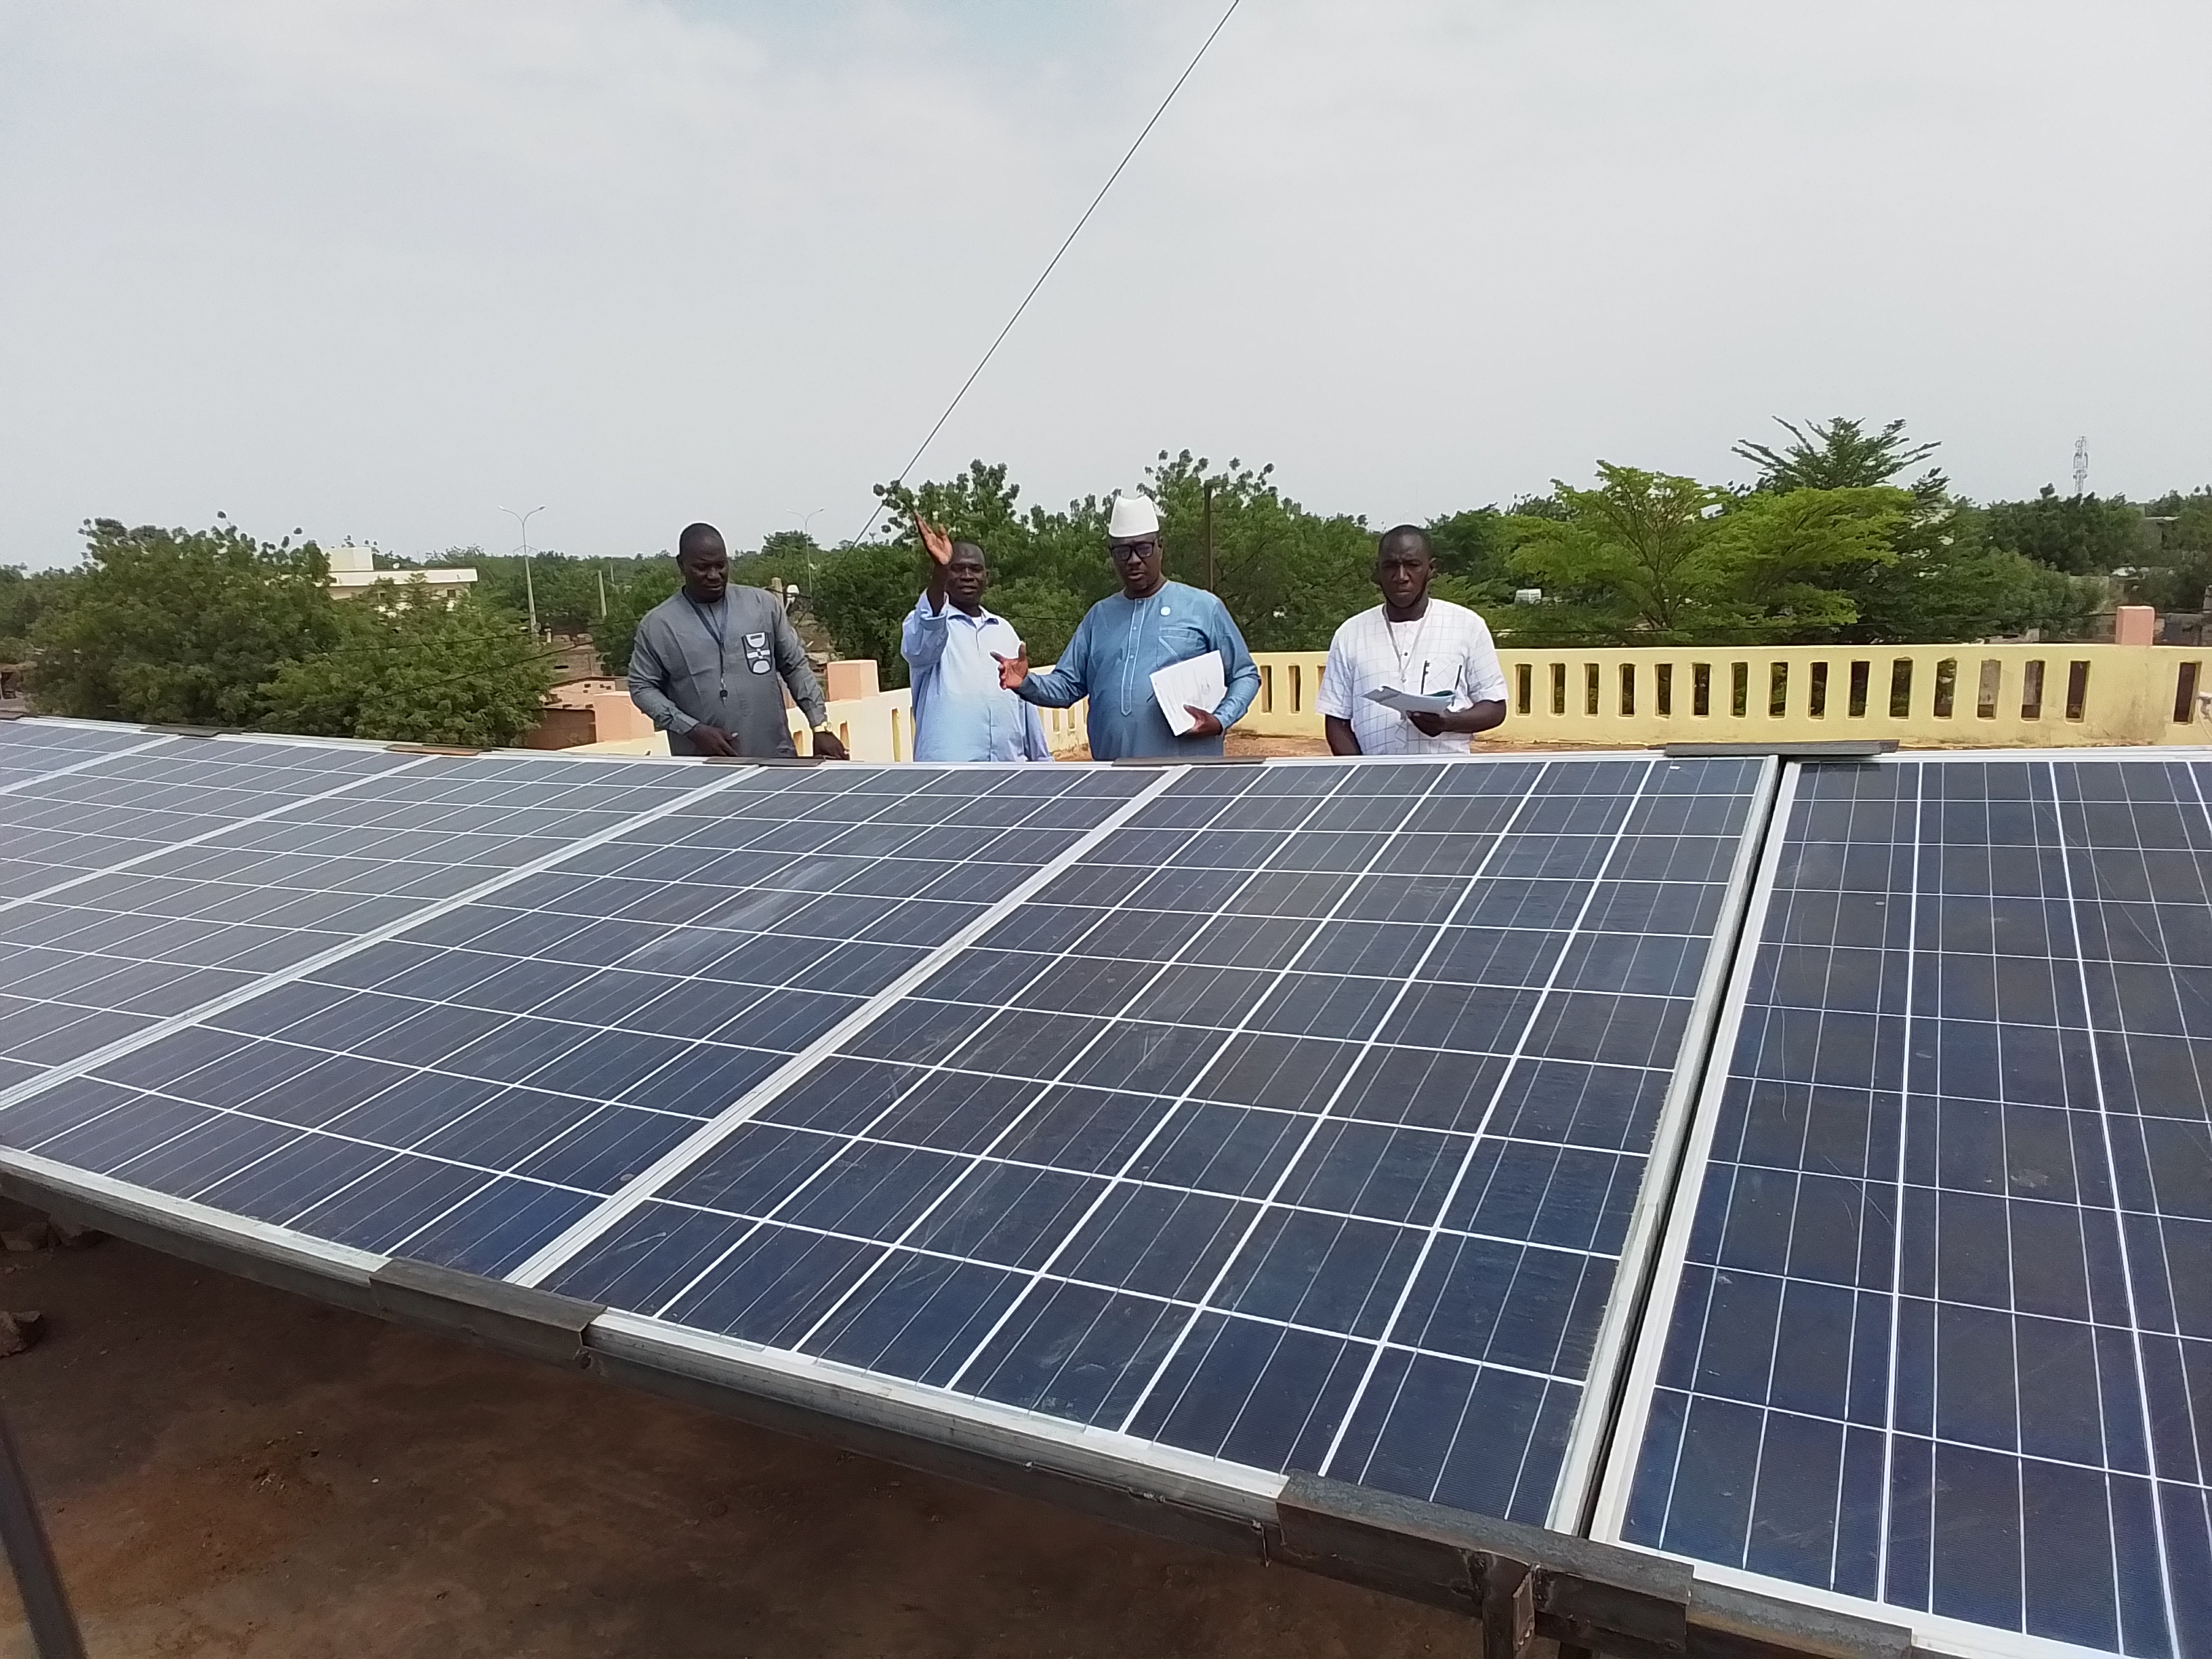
(104, 950)
(1250, 1119)
(31, 750)
(1297, 1124)
(61, 826)
(462, 1089)
(1941, 1331)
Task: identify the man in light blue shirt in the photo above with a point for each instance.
(1124, 640)
(953, 647)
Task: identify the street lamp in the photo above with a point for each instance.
(806, 529)
(529, 589)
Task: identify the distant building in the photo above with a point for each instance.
(353, 570)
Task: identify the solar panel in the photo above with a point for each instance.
(90, 963)
(138, 802)
(1301, 1123)
(33, 749)
(1935, 1334)
(461, 1090)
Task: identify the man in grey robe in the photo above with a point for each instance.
(709, 663)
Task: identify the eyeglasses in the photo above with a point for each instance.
(1122, 550)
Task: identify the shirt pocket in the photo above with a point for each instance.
(1181, 640)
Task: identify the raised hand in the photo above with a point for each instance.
(935, 540)
(1014, 670)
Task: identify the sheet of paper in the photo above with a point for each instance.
(1196, 681)
(1412, 703)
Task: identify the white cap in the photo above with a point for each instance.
(1134, 515)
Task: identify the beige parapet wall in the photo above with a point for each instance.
(877, 727)
(1926, 697)
(1923, 695)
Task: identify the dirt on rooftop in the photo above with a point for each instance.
(232, 1470)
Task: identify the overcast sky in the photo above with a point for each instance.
(376, 269)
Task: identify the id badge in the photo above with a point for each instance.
(758, 658)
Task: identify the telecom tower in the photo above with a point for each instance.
(2080, 465)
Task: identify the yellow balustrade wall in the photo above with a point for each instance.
(1926, 697)
(1923, 695)
(878, 727)
(881, 727)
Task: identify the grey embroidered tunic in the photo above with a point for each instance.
(722, 665)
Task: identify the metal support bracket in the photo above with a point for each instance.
(534, 1324)
(1524, 1584)
(1189, 760)
(1839, 749)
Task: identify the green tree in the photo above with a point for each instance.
(1050, 569)
(1046, 568)
(1287, 576)
(1651, 558)
(612, 634)
(2081, 535)
(408, 668)
(1538, 506)
(1947, 580)
(862, 595)
(566, 588)
(1841, 454)
(977, 506)
(180, 627)
(1947, 583)
(2182, 571)
(1475, 547)
(26, 596)
(1623, 562)
(1788, 566)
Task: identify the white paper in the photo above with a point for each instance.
(1197, 681)
(1413, 702)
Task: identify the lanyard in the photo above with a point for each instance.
(1412, 644)
(716, 622)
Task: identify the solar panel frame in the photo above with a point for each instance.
(2072, 882)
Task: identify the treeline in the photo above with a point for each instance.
(214, 628)
(1849, 535)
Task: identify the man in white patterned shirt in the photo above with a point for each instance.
(1410, 643)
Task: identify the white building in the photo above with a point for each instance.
(353, 570)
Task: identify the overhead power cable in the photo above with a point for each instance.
(916, 458)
